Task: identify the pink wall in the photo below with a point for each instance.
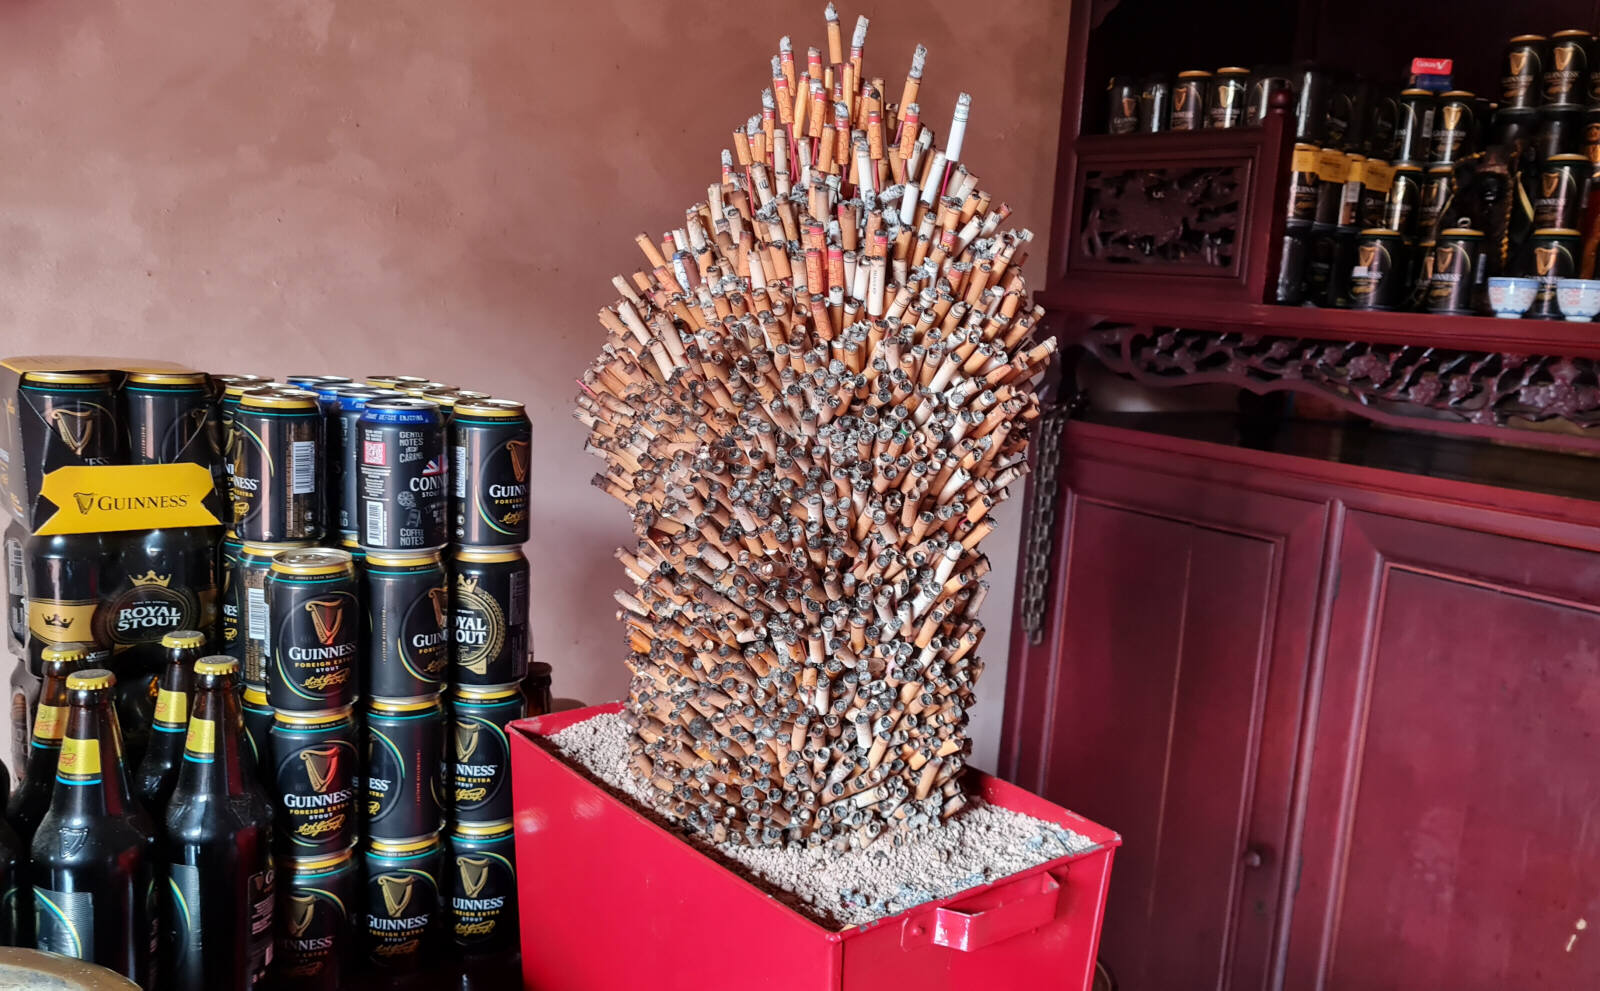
(434, 188)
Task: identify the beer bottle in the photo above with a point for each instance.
(158, 771)
(218, 845)
(94, 870)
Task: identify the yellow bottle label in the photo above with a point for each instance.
(79, 757)
(50, 722)
(202, 736)
(56, 621)
(1304, 159)
(171, 707)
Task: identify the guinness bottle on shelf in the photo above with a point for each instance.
(218, 845)
(158, 771)
(94, 872)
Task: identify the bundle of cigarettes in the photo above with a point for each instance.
(811, 400)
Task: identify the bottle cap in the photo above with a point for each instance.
(90, 679)
(183, 639)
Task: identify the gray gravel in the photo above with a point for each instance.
(980, 844)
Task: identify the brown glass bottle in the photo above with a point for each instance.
(94, 871)
(158, 771)
(218, 847)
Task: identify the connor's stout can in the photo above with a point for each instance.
(344, 408)
(1566, 72)
(317, 896)
(1455, 267)
(403, 913)
(1550, 255)
(1225, 107)
(314, 618)
(403, 493)
(314, 756)
(407, 624)
(483, 886)
(169, 419)
(1453, 127)
(65, 575)
(489, 607)
(250, 577)
(1122, 105)
(65, 418)
(491, 443)
(1522, 73)
(405, 758)
(482, 758)
(1558, 200)
(257, 729)
(1189, 100)
(1413, 132)
(1378, 280)
(277, 466)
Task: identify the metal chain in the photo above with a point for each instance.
(1042, 518)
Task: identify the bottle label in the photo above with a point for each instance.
(50, 723)
(202, 740)
(261, 906)
(172, 707)
(61, 621)
(79, 758)
(64, 922)
(187, 926)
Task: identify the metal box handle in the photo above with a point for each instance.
(1013, 909)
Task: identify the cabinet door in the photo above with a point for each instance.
(1453, 819)
(1185, 622)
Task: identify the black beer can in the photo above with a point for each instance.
(1435, 198)
(1340, 114)
(1263, 87)
(230, 612)
(1225, 106)
(1155, 105)
(231, 388)
(1332, 171)
(1377, 178)
(405, 783)
(483, 886)
(65, 418)
(1311, 86)
(1378, 279)
(311, 382)
(1189, 98)
(1453, 127)
(1559, 198)
(1122, 105)
(250, 579)
(258, 732)
(1303, 182)
(314, 755)
(314, 622)
(1383, 117)
(1405, 199)
(1344, 259)
(1550, 255)
(407, 624)
(1319, 264)
(481, 768)
(1413, 132)
(16, 570)
(1561, 132)
(492, 444)
(403, 914)
(277, 466)
(1355, 179)
(1455, 267)
(1522, 73)
(403, 496)
(489, 608)
(1566, 70)
(344, 451)
(316, 898)
(168, 415)
(1291, 287)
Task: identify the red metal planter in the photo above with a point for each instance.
(610, 901)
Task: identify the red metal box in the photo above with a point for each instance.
(610, 901)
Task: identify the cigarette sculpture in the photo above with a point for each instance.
(811, 398)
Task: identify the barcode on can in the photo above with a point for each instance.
(461, 471)
(303, 466)
(376, 523)
(255, 613)
(518, 600)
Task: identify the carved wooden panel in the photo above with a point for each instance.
(1174, 215)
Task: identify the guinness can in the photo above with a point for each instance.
(1189, 100)
(1559, 199)
(403, 911)
(1378, 281)
(1122, 105)
(492, 445)
(1263, 87)
(1435, 199)
(13, 550)
(1522, 74)
(1303, 182)
(1455, 268)
(314, 618)
(482, 764)
(1332, 171)
(1561, 131)
(1454, 126)
(311, 382)
(1566, 74)
(483, 886)
(404, 478)
(1550, 255)
(1377, 179)
(408, 624)
(1311, 86)
(1292, 257)
(250, 578)
(317, 895)
(404, 773)
(1226, 106)
(1413, 133)
(65, 418)
(1405, 200)
(1383, 116)
(344, 406)
(277, 466)
(314, 754)
(159, 581)
(169, 419)
(1155, 105)
(233, 388)
(257, 731)
(65, 572)
(489, 605)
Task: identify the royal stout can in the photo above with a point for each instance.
(489, 608)
(343, 406)
(403, 913)
(1378, 280)
(491, 443)
(1455, 267)
(1405, 199)
(317, 896)
(314, 755)
(403, 497)
(314, 618)
(1560, 195)
(1413, 132)
(407, 599)
(483, 886)
(257, 730)
(405, 789)
(1225, 107)
(1550, 255)
(65, 418)
(278, 491)
(481, 776)
(1189, 100)
(251, 576)
(1566, 72)
(1522, 73)
(169, 419)
(65, 578)
(1454, 125)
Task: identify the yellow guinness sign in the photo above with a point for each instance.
(94, 498)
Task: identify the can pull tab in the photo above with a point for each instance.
(987, 918)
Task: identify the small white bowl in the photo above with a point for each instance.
(1579, 299)
(1510, 296)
